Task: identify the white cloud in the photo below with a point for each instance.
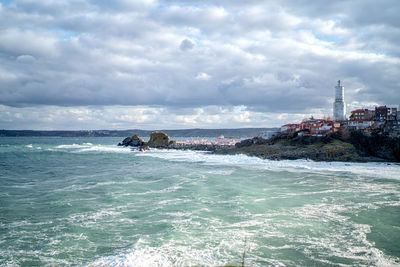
(203, 76)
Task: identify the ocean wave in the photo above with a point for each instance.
(73, 146)
(106, 149)
(89, 147)
(31, 146)
(372, 169)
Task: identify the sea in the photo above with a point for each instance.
(87, 202)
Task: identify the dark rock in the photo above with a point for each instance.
(172, 143)
(132, 141)
(136, 141)
(126, 142)
(244, 143)
(252, 141)
(376, 145)
(259, 141)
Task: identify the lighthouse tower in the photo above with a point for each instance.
(339, 107)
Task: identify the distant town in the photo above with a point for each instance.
(381, 119)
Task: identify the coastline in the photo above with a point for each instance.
(354, 147)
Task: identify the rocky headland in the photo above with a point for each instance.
(352, 146)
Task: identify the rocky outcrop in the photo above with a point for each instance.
(132, 141)
(126, 141)
(158, 139)
(162, 140)
(137, 141)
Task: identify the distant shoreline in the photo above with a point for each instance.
(242, 132)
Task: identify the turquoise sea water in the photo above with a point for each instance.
(85, 201)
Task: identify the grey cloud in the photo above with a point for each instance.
(16, 42)
(186, 45)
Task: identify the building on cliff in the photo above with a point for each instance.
(386, 119)
(380, 114)
(384, 113)
(362, 114)
(312, 127)
(290, 128)
(339, 106)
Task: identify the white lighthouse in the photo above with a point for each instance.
(339, 106)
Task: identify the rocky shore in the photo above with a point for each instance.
(162, 140)
(342, 146)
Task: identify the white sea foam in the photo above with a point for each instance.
(383, 170)
(72, 146)
(89, 147)
(166, 255)
(106, 149)
(29, 146)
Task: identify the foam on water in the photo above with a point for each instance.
(106, 149)
(384, 170)
(319, 230)
(89, 147)
(170, 254)
(73, 146)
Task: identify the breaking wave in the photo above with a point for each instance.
(383, 170)
(89, 147)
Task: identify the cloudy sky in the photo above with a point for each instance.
(154, 64)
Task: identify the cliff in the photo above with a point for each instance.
(343, 146)
(376, 145)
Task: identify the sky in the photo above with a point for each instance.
(153, 64)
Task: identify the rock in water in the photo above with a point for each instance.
(136, 141)
(132, 141)
(158, 139)
(126, 141)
